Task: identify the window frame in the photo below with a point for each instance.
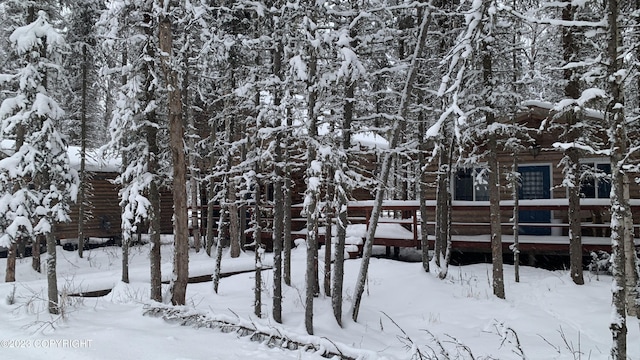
(599, 185)
(475, 173)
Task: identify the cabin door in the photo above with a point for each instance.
(535, 184)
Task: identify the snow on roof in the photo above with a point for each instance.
(95, 161)
(592, 113)
(370, 139)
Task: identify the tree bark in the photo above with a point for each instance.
(82, 193)
(287, 188)
(515, 186)
(422, 193)
(312, 195)
(443, 195)
(10, 273)
(618, 142)
(193, 168)
(52, 277)
(125, 259)
(210, 210)
(35, 254)
(223, 227)
(387, 161)
(631, 260)
(494, 176)
(257, 240)
(572, 155)
(176, 143)
(278, 217)
(329, 214)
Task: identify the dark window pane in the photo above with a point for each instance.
(463, 185)
(588, 183)
(604, 182)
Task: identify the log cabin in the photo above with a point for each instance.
(103, 212)
(543, 206)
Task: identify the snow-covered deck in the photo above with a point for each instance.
(406, 232)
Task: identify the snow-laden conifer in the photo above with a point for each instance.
(38, 183)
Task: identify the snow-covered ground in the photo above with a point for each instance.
(403, 310)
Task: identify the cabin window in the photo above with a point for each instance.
(596, 181)
(471, 185)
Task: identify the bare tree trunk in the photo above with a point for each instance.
(223, 227)
(210, 210)
(312, 194)
(154, 225)
(176, 143)
(422, 192)
(257, 240)
(35, 254)
(515, 186)
(572, 155)
(341, 193)
(286, 266)
(386, 163)
(12, 252)
(193, 168)
(234, 222)
(329, 214)
(278, 217)
(631, 278)
(443, 230)
(52, 277)
(195, 208)
(10, 274)
(154, 252)
(494, 178)
(618, 142)
(82, 193)
(125, 259)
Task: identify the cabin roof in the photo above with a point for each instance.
(96, 161)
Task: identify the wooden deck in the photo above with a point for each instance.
(399, 226)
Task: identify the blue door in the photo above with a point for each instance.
(535, 184)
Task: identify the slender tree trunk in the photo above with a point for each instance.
(313, 177)
(234, 222)
(386, 163)
(12, 253)
(210, 210)
(287, 188)
(494, 178)
(176, 143)
(154, 252)
(423, 193)
(125, 258)
(193, 167)
(631, 259)
(257, 240)
(278, 217)
(35, 254)
(619, 203)
(154, 218)
(443, 230)
(10, 274)
(82, 193)
(329, 214)
(52, 277)
(278, 197)
(341, 193)
(515, 186)
(223, 227)
(572, 155)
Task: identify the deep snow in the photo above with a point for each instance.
(403, 309)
